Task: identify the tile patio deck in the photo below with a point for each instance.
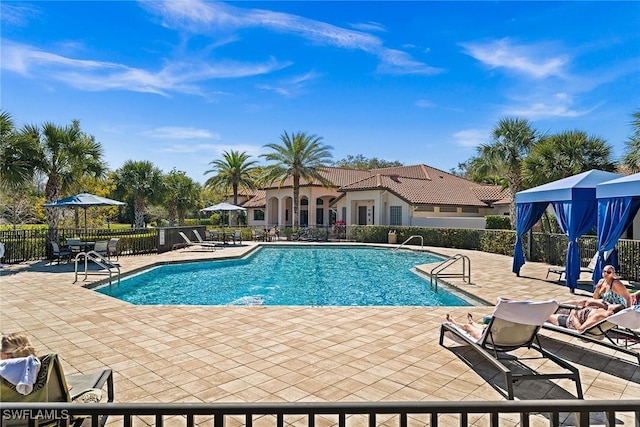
(277, 354)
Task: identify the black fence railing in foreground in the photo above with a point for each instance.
(401, 414)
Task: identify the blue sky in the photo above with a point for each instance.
(179, 82)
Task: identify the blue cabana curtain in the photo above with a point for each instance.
(575, 219)
(527, 214)
(614, 216)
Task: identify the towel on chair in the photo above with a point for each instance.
(22, 372)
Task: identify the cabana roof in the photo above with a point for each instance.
(576, 187)
(620, 187)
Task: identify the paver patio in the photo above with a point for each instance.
(287, 354)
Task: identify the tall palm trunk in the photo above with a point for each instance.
(139, 206)
(52, 193)
(296, 201)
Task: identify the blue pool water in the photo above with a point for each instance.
(292, 276)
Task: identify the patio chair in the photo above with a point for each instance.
(74, 245)
(112, 248)
(619, 332)
(191, 244)
(561, 271)
(237, 237)
(52, 385)
(101, 247)
(257, 235)
(60, 254)
(514, 325)
(201, 241)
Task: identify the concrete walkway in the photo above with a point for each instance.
(288, 354)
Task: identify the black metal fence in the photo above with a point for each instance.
(401, 414)
(31, 245)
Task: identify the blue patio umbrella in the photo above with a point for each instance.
(84, 201)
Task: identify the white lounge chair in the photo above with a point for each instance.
(615, 332)
(191, 244)
(562, 271)
(201, 241)
(514, 325)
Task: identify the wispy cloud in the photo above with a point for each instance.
(470, 138)
(17, 14)
(558, 105)
(212, 150)
(531, 60)
(92, 75)
(203, 17)
(369, 26)
(291, 87)
(423, 103)
(175, 132)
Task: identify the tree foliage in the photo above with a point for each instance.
(631, 159)
(565, 154)
(298, 155)
(512, 140)
(235, 172)
(181, 194)
(363, 163)
(141, 182)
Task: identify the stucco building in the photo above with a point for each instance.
(416, 195)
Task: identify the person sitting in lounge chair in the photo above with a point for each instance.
(471, 327)
(584, 318)
(19, 364)
(609, 291)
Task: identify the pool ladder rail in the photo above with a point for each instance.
(100, 261)
(437, 272)
(411, 237)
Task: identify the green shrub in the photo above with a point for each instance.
(497, 222)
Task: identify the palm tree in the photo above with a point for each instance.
(299, 156)
(566, 154)
(234, 171)
(140, 181)
(631, 159)
(181, 194)
(19, 152)
(65, 155)
(513, 138)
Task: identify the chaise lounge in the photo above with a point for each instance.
(209, 245)
(562, 271)
(619, 332)
(514, 325)
(53, 386)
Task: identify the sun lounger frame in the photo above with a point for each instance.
(491, 352)
(600, 333)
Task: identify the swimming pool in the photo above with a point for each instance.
(292, 276)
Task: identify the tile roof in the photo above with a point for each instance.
(416, 184)
(259, 200)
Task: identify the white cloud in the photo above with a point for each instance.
(204, 17)
(470, 137)
(423, 103)
(212, 150)
(560, 104)
(531, 60)
(100, 75)
(17, 14)
(369, 26)
(292, 86)
(175, 132)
